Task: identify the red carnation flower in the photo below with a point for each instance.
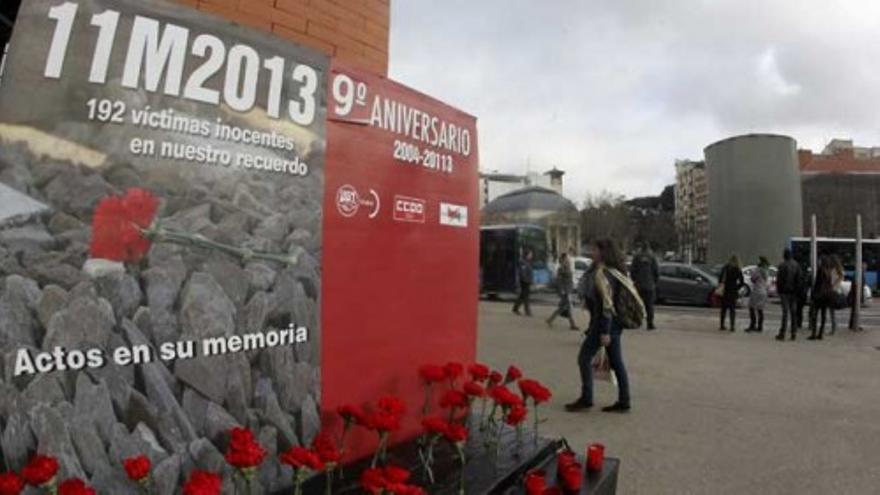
(395, 474)
(474, 389)
(383, 421)
(392, 405)
(301, 457)
(244, 452)
(117, 225)
(373, 480)
(456, 433)
(504, 397)
(137, 468)
(40, 470)
(495, 378)
(516, 415)
(535, 482)
(432, 373)
(75, 486)
(479, 372)
(325, 447)
(434, 425)
(513, 374)
(10, 484)
(203, 483)
(388, 479)
(352, 414)
(454, 399)
(453, 370)
(534, 390)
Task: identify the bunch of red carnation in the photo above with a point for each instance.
(388, 480)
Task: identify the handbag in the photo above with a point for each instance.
(602, 367)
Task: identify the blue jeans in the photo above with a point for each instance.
(589, 349)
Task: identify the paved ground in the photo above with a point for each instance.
(714, 413)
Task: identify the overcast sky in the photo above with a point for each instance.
(614, 91)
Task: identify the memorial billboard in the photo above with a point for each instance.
(401, 216)
(161, 252)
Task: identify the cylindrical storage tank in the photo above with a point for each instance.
(754, 197)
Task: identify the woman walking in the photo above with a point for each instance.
(759, 295)
(730, 283)
(564, 284)
(821, 297)
(602, 284)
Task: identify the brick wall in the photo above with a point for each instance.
(354, 31)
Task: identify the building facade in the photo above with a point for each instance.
(692, 210)
(495, 184)
(839, 183)
(541, 206)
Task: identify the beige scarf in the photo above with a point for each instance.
(604, 289)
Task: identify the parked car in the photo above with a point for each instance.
(771, 283)
(683, 283)
(846, 286)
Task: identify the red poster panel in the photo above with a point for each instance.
(401, 227)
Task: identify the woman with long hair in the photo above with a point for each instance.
(821, 297)
(759, 295)
(730, 283)
(605, 330)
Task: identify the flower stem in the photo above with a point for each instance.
(158, 233)
(536, 424)
(462, 459)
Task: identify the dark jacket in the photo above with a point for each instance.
(822, 291)
(526, 275)
(645, 272)
(732, 279)
(789, 278)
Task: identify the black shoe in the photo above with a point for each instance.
(617, 407)
(812, 337)
(750, 329)
(780, 337)
(732, 329)
(578, 405)
(722, 329)
(652, 327)
(516, 311)
(793, 336)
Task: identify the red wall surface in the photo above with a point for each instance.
(400, 289)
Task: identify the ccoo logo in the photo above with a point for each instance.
(408, 209)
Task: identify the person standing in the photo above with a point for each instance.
(564, 284)
(645, 273)
(525, 274)
(851, 299)
(803, 295)
(789, 278)
(820, 298)
(838, 299)
(605, 328)
(758, 295)
(731, 282)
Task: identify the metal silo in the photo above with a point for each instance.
(754, 196)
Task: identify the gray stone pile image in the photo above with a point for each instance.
(176, 412)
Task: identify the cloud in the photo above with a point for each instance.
(614, 92)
